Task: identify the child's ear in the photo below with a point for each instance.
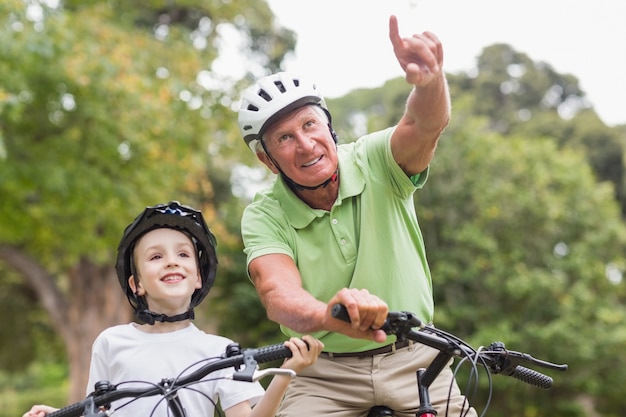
(199, 282)
(135, 286)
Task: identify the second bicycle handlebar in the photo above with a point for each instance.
(106, 393)
(495, 357)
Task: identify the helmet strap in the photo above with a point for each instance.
(300, 187)
(150, 317)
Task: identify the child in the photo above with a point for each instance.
(166, 265)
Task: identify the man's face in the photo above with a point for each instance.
(303, 147)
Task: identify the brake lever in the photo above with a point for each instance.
(525, 357)
(507, 360)
(92, 411)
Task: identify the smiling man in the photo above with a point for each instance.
(338, 225)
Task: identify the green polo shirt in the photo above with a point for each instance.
(369, 239)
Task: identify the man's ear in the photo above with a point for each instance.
(136, 286)
(267, 161)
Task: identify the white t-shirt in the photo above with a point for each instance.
(125, 353)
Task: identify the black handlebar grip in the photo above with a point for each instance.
(272, 353)
(72, 410)
(532, 377)
(339, 311)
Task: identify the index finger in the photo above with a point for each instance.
(394, 34)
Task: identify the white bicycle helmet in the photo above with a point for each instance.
(271, 98)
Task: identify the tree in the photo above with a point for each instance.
(524, 230)
(102, 112)
(522, 97)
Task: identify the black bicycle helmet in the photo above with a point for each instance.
(172, 215)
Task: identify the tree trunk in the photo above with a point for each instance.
(95, 303)
(92, 301)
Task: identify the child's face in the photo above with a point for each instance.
(167, 269)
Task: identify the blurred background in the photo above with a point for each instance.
(109, 106)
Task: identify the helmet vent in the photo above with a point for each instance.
(272, 97)
(263, 94)
(280, 86)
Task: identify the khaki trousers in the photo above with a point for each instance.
(349, 387)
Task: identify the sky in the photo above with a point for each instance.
(344, 44)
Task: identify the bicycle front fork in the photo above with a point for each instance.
(425, 378)
(425, 409)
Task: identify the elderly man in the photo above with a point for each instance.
(339, 226)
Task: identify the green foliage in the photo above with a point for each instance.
(30, 333)
(41, 383)
(234, 303)
(520, 237)
(84, 136)
(93, 113)
(509, 85)
(106, 107)
(522, 97)
(368, 110)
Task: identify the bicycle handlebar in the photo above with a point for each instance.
(496, 357)
(105, 393)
